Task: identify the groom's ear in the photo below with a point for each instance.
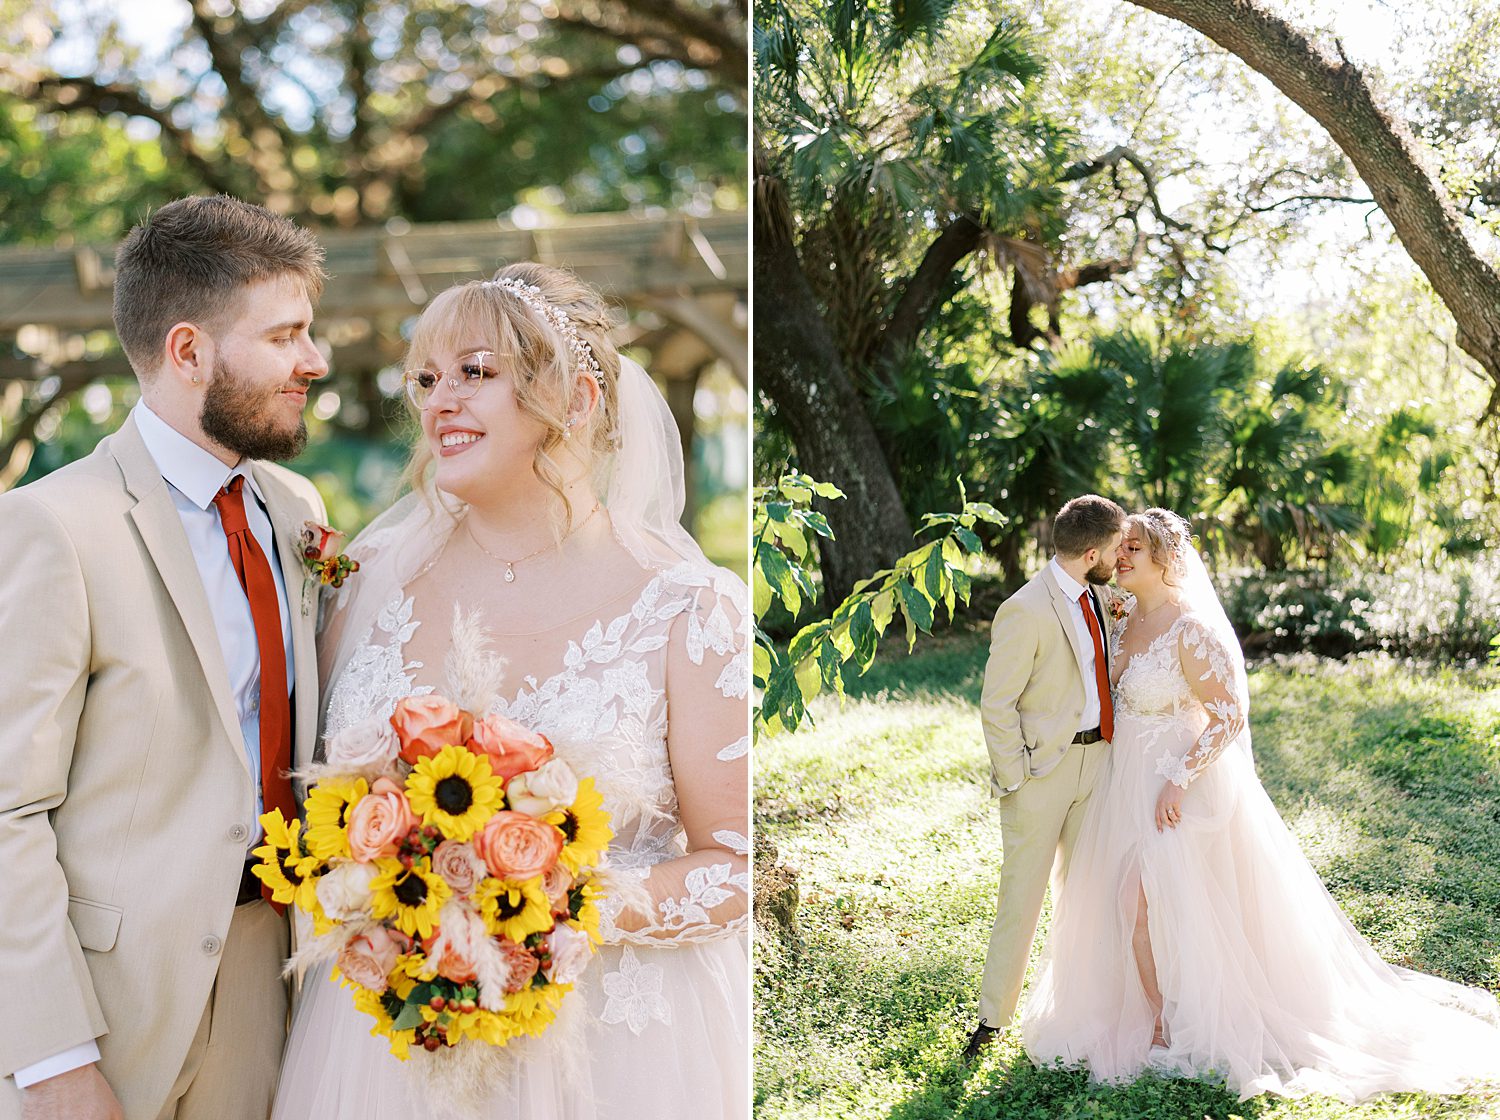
(187, 354)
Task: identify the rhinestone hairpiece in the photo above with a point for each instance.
(531, 296)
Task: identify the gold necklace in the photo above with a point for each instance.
(1147, 614)
(510, 565)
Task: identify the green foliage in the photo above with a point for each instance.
(1449, 611)
(1384, 770)
(929, 577)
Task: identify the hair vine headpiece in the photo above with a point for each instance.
(532, 297)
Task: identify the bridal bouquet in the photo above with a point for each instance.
(451, 869)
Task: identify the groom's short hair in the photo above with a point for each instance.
(1086, 522)
(190, 261)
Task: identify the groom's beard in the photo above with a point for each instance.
(237, 416)
(1100, 574)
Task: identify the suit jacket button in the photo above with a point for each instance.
(211, 945)
(239, 834)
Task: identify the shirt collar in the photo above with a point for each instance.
(1070, 586)
(196, 473)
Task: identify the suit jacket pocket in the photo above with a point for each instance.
(97, 924)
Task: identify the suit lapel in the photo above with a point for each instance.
(1064, 607)
(287, 514)
(160, 526)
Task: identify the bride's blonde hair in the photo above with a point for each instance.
(1168, 538)
(544, 364)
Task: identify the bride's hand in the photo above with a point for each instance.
(1169, 806)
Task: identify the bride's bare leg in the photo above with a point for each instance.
(1145, 964)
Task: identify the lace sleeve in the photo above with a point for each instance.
(1211, 674)
(705, 892)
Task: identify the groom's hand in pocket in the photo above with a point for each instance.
(79, 1094)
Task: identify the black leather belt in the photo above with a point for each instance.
(1086, 737)
(249, 885)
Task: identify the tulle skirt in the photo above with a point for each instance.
(656, 1033)
(1266, 985)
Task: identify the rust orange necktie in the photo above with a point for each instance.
(1101, 669)
(254, 571)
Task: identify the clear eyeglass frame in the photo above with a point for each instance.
(464, 379)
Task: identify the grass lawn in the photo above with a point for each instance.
(1387, 772)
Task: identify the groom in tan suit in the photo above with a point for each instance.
(157, 676)
(1047, 721)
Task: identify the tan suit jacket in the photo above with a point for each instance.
(126, 799)
(1033, 682)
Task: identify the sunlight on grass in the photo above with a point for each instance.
(1386, 772)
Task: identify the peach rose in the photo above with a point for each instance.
(557, 882)
(379, 821)
(514, 846)
(368, 958)
(427, 724)
(512, 749)
(520, 962)
(459, 865)
(454, 963)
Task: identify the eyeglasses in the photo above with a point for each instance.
(467, 375)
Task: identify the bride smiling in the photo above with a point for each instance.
(548, 485)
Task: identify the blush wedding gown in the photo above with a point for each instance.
(1266, 985)
(658, 1025)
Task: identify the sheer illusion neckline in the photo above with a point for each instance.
(531, 683)
(597, 613)
(1150, 647)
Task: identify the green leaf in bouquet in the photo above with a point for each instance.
(410, 1017)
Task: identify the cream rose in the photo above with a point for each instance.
(320, 542)
(345, 891)
(511, 748)
(368, 958)
(379, 821)
(459, 865)
(570, 949)
(514, 846)
(520, 962)
(371, 745)
(553, 786)
(427, 724)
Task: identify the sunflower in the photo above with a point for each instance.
(532, 1009)
(584, 906)
(455, 791)
(285, 864)
(411, 896)
(585, 828)
(328, 808)
(513, 909)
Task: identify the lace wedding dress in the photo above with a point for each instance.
(658, 1026)
(1266, 984)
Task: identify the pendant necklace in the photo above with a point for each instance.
(510, 565)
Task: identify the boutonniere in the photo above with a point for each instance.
(1119, 605)
(325, 564)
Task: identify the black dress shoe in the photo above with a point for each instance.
(981, 1038)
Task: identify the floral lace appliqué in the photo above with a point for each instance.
(635, 994)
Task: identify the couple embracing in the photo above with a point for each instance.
(164, 680)
(1189, 934)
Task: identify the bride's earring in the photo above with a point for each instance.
(568, 428)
